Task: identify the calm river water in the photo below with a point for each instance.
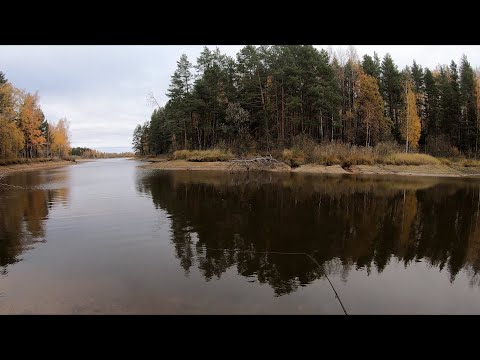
(108, 237)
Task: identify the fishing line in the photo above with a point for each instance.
(289, 253)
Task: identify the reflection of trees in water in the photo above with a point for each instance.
(23, 212)
(344, 222)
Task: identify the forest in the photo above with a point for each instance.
(271, 97)
(25, 133)
(87, 153)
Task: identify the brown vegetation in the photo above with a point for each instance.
(203, 155)
(35, 164)
(328, 157)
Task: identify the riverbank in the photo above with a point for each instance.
(441, 170)
(8, 169)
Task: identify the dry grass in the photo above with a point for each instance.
(347, 155)
(342, 154)
(469, 163)
(409, 159)
(203, 155)
(293, 157)
(19, 161)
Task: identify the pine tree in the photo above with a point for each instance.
(418, 78)
(158, 133)
(477, 119)
(3, 79)
(391, 89)
(455, 110)
(137, 140)
(252, 80)
(179, 94)
(372, 66)
(468, 104)
(431, 105)
(181, 79)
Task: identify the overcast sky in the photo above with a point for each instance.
(102, 90)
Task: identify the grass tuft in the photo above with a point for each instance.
(203, 155)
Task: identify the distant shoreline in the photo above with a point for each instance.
(439, 170)
(8, 169)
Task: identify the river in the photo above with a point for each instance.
(108, 237)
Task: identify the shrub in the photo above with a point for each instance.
(203, 155)
(305, 143)
(387, 148)
(293, 157)
(469, 162)
(440, 146)
(336, 153)
(410, 159)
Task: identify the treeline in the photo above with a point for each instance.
(24, 130)
(268, 95)
(87, 153)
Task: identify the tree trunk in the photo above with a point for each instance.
(283, 112)
(407, 115)
(332, 127)
(301, 110)
(185, 137)
(321, 126)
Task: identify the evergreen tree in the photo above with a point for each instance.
(137, 140)
(372, 66)
(3, 79)
(158, 133)
(181, 79)
(179, 112)
(431, 108)
(468, 104)
(455, 110)
(391, 89)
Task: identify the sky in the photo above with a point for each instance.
(102, 90)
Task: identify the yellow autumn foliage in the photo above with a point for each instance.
(410, 125)
(30, 121)
(59, 138)
(11, 138)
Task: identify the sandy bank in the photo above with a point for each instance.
(409, 170)
(8, 169)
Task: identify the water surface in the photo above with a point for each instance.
(108, 237)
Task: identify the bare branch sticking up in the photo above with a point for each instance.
(152, 101)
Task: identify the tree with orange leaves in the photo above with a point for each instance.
(30, 122)
(60, 139)
(373, 125)
(11, 138)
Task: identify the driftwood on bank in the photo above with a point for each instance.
(256, 163)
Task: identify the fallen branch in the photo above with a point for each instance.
(12, 186)
(257, 163)
(8, 185)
